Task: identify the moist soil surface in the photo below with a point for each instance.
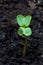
(11, 44)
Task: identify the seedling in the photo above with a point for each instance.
(24, 22)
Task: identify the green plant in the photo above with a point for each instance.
(24, 22)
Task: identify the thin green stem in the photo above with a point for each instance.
(25, 46)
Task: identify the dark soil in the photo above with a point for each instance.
(11, 44)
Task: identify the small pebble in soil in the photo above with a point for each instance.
(2, 35)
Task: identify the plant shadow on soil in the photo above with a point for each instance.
(11, 44)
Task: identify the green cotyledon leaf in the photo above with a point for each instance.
(20, 20)
(24, 31)
(20, 31)
(23, 21)
(28, 20)
(27, 31)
